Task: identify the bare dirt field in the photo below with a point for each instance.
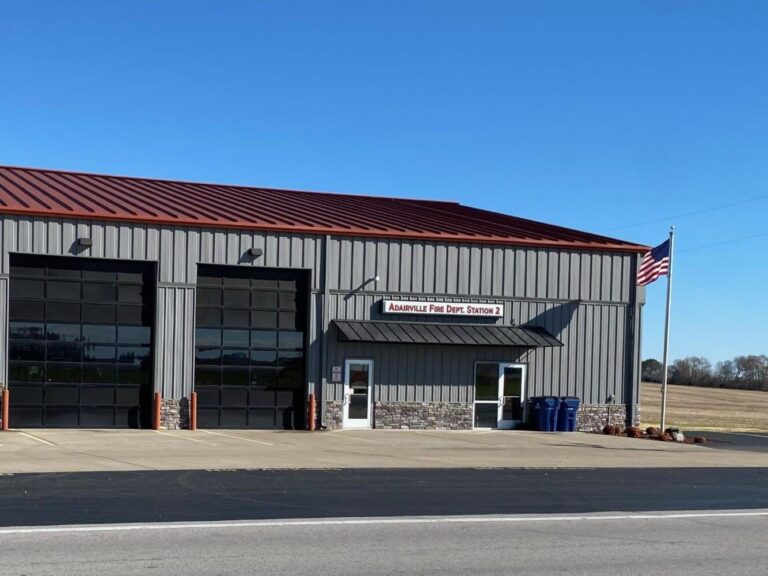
(694, 408)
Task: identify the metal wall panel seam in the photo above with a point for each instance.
(283, 251)
(464, 269)
(604, 344)
(557, 375)
(179, 252)
(357, 264)
(111, 241)
(404, 262)
(125, 242)
(552, 263)
(4, 314)
(475, 266)
(138, 240)
(189, 358)
(55, 244)
(417, 267)
(564, 275)
(39, 236)
(324, 273)
(610, 350)
(159, 343)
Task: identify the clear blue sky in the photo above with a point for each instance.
(592, 115)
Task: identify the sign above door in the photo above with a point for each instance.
(442, 308)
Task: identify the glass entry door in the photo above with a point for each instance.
(499, 395)
(358, 385)
(512, 392)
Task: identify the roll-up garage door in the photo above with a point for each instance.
(80, 342)
(250, 347)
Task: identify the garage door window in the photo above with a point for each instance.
(80, 342)
(250, 347)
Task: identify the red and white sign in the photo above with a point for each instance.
(442, 308)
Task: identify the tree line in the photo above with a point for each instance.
(743, 372)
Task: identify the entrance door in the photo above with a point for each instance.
(358, 385)
(499, 395)
(512, 388)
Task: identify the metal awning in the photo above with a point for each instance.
(452, 334)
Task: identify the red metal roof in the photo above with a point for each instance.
(55, 193)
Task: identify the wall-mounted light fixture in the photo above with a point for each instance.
(254, 252)
(84, 243)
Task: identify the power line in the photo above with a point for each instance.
(688, 214)
(724, 242)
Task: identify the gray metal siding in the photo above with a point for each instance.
(177, 251)
(413, 267)
(588, 365)
(585, 299)
(174, 340)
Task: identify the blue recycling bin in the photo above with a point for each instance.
(566, 420)
(545, 409)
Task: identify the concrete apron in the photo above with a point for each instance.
(112, 450)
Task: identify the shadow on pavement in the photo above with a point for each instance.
(744, 441)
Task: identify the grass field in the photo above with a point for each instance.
(694, 408)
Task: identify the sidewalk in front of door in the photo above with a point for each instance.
(111, 450)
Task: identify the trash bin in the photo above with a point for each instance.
(532, 413)
(566, 420)
(545, 409)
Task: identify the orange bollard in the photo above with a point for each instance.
(5, 402)
(312, 411)
(193, 411)
(156, 419)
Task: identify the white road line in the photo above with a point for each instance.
(37, 439)
(238, 438)
(381, 521)
(182, 437)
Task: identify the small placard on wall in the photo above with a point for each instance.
(336, 374)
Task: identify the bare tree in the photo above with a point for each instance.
(747, 372)
(651, 370)
(725, 374)
(752, 372)
(691, 371)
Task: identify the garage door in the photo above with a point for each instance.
(250, 347)
(80, 342)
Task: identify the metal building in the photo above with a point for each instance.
(393, 312)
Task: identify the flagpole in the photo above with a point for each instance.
(666, 333)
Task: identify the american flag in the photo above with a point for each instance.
(655, 263)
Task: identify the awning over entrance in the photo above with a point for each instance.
(434, 333)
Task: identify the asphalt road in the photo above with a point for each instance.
(741, 441)
(702, 546)
(185, 496)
